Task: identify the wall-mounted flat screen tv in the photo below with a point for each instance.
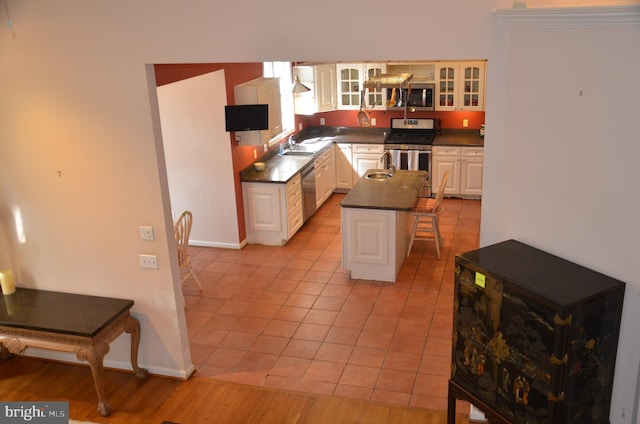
(246, 117)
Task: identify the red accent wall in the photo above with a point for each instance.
(234, 73)
(349, 118)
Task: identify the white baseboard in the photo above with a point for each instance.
(200, 243)
(115, 365)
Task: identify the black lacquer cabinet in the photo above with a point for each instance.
(534, 336)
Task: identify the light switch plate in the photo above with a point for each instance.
(149, 261)
(146, 233)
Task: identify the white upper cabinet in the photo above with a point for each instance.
(351, 79)
(375, 98)
(322, 96)
(260, 91)
(460, 85)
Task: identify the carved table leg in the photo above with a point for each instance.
(94, 355)
(4, 352)
(132, 326)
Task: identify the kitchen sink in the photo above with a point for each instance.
(379, 175)
(297, 153)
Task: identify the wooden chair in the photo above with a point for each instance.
(426, 212)
(182, 230)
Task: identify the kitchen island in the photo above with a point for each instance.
(376, 224)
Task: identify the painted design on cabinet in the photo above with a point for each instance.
(515, 351)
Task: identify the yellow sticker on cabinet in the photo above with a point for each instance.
(480, 279)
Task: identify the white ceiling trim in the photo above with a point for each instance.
(588, 17)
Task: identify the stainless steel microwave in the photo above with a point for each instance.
(418, 96)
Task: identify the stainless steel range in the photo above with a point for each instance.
(409, 142)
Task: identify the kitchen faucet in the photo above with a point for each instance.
(392, 168)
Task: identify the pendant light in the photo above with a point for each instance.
(299, 87)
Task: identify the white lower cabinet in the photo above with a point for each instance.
(365, 157)
(325, 168)
(294, 217)
(465, 166)
(273, 212)
(374, 242)
(471, 173)
(345, 174)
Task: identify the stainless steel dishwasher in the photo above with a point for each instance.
(308, 191)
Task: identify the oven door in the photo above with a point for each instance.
(412, 160)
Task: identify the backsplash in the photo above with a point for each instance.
(349, 118)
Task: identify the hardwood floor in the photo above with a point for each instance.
(157, 399)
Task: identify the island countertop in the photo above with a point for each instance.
(396, 193)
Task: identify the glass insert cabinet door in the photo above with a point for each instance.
(471, 95)
(460, 85)
(375, 96)
(351, 79)
(349, 82)
(446, 85)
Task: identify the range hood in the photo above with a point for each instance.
(389, 81)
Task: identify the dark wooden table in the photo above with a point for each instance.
(81, 324)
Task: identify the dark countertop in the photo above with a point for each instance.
(397, 193)
(57, 312)
(280, 169)
(464, 138)
(343, 134)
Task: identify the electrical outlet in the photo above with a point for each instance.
(465, 123)
(255, 153)
(373, 122)
(149, 261)
(146, 233)
(322, 121)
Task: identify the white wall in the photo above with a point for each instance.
(570, 146)
(198, 156)
(76, 98)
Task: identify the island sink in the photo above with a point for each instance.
(379, 175)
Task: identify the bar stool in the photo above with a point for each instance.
(426, 212)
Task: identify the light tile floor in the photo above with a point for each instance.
(290, 317)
